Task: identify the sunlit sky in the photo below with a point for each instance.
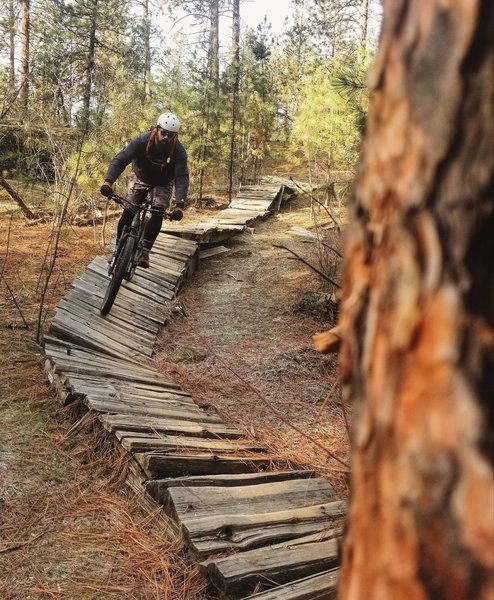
(252, 12)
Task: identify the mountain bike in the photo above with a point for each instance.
(125, 257)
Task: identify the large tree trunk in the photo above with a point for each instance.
(417, 314)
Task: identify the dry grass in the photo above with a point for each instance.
(259, 368)
(69, 528)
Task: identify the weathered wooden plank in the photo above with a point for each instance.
(175, 248)
(109, 406)
(161, 485)
(156, 393)
(150, 393)
(98, 331)
(130, 405)
(173, 243)
(127, 297)
(259, 205)
(134, 380)
(157, 286)
(136, 377)
(149, 389)
(264, 497)
(220, 533)
(192, 413)
(119, 313)
(116, 330)
(169, 426)
(240, 573)
(127, 300)
(163, 465)
(107, 391)
(176, 253)
(239, 216)
(110, 394)
(146, 442)
(163, 261)
(149, 291)
(56, 347)
(205, 232)
(77, 306)
(65, 396)
(66, 329)
(167, 282)
(95, 286)
(208, 252)
(107, 372)
(253, 201)
(323, 586)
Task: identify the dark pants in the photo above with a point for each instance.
(137, 191)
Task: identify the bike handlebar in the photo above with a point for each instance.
(167, 215)
(116, 198)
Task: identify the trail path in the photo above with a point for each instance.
(236, 341)
(245, 324)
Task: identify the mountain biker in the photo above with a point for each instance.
(159, 161)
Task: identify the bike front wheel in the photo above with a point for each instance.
(122, 265)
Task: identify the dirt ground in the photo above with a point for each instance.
(239, 338)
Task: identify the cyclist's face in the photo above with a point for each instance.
(165, 136)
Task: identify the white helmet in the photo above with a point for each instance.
(169, 121)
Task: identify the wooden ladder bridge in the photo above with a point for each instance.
(248, 525)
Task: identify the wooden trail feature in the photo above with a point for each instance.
(256, 529)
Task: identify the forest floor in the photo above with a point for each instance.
(239, 338)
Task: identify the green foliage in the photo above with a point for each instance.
(352, 87)
(325, 130)
(301, 95)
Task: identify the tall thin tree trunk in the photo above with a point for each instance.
(364, 19)
(214, 43)
(236, 87)
(11, 45)
(417, 313)
(147, 51)
(214, 65)
(25, 33)
(211, 119)
(90, 60)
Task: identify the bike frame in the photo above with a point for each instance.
(125, 257)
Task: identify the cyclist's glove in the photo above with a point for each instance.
(177, 214)
(106, 190)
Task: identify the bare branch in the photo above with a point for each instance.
(17, 199)
(320, 273)
(326, 208)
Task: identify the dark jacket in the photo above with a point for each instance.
(153, 165)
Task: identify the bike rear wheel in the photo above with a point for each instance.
(122, 264)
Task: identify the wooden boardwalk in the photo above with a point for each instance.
(254, 202)
(252, 527)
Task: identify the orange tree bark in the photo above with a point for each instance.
(417, 314)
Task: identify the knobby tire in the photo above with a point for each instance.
(121, 266)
